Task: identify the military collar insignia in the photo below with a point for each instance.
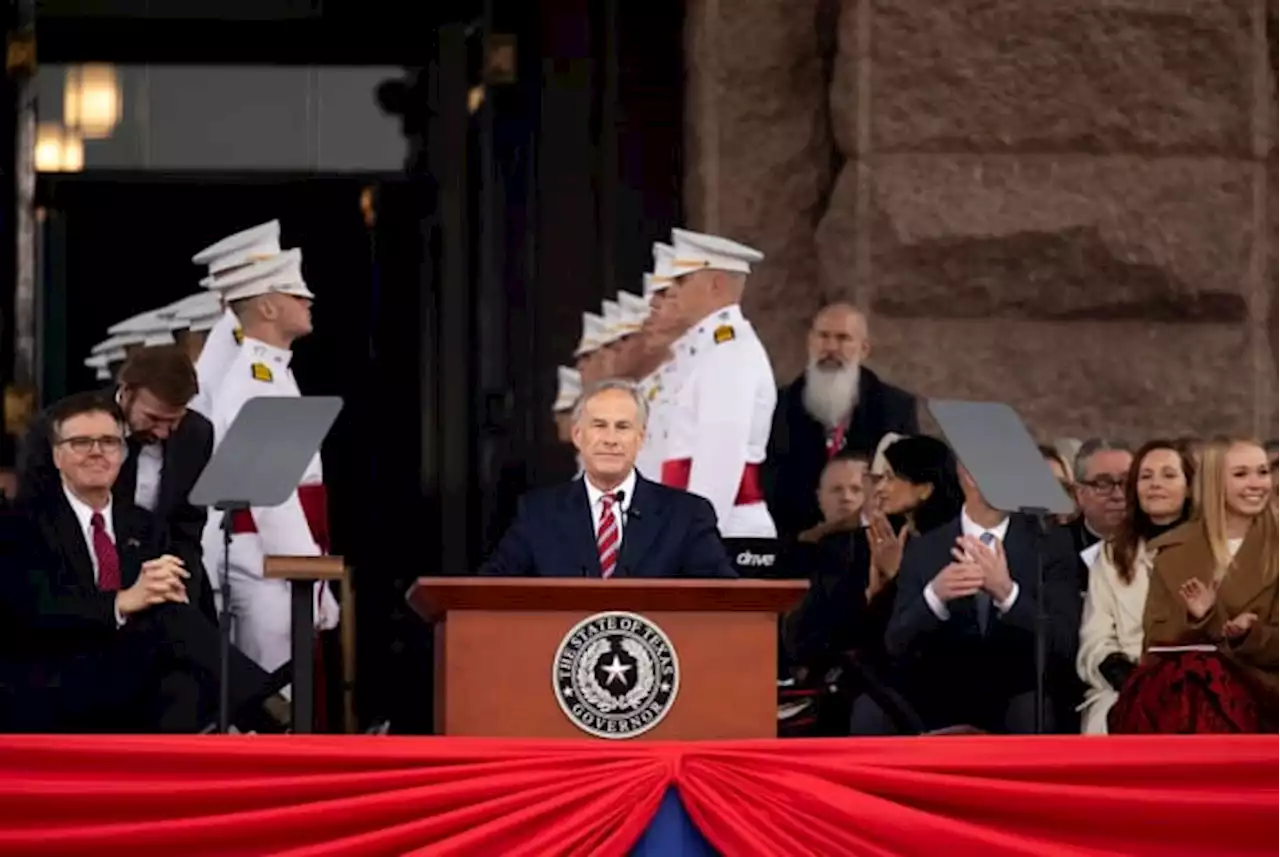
(261, 372)
(724, 333)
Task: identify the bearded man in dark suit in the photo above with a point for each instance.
(837, 404)
(167, 448)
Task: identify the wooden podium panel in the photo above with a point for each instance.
(497, 639)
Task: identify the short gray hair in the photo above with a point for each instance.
(621, 384)
(1092, 447)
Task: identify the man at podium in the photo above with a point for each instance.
(612, 522)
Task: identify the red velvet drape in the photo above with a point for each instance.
(952, 796)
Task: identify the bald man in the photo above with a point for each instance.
(838, 403)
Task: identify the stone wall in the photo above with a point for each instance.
(1069, 205)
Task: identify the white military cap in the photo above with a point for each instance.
(698, 252)
(100, 364)
(110, 344)
(200, 311)
(235, 251)
(568, 390)
(611, 312)
(654, 284)
(146, 328)
(635, 310)
(280, 274)
(664, 269)
(593, 330)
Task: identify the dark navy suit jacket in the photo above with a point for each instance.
(666, 533)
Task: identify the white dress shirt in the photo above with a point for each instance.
(84, 517)
(969, 528)
(150, 465)
(595, 497)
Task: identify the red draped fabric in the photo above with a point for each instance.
(314, 795)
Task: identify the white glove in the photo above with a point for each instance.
(327, 610)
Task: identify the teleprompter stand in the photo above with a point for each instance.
(259, 462)
(993, 444)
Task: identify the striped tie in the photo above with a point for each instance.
(983, 600)
(607, 537)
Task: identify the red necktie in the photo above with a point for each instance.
(105, 551)
(607, 537)
(835, 441)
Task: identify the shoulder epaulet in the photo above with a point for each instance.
(261, 372)
(724, 333)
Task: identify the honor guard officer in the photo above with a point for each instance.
(627, 346)
(273, 304)
(193, 316)
(719, 420)
(661, 333)
(589, 360)
(568, 389)
(222, 343)
(106, 357)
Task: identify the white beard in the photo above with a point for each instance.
(830, 394)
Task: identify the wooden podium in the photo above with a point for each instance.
(497, 642)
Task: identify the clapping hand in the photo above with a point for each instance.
(992, 561)
(886, 546)
(1198, 597)
(1236, 628)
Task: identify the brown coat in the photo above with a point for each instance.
(1184, 553)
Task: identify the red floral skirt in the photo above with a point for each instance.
(1187, 693)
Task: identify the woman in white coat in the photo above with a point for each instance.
(1157, 498)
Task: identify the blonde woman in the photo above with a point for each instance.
(1210, 623)
(1157, 495)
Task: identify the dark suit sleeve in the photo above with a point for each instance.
(514, 555)
(703, 554)
(902, 415)
(911, 618)
(29, 585)
(35, 460)
(1063, 604)
(186, 523)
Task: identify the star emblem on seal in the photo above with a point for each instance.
(615, 675)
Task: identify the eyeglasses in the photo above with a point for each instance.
(1105, 484)
(110, 444)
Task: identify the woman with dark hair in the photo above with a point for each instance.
(838, 630)
(1157, 494)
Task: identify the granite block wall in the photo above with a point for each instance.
(1069, 205)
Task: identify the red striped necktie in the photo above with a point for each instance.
(607, 536)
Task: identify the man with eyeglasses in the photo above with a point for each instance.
(1101, 468)
(167, 448)
(98, 632)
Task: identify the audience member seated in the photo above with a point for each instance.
(612, 522)
(96, 629)
(837, 403)
(963, 626)
(168, 448)
(1101, 468)
(834, 556)
(1157, 499)
(1210, 624)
